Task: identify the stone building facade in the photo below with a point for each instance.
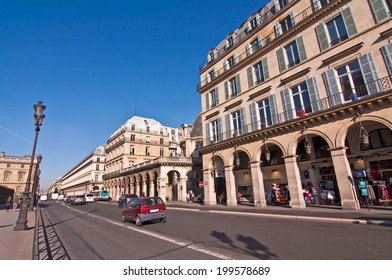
(147, 158)
(84, 177)
(13, 175)
(296, 105)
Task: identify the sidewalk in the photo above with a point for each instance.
(376, 216)
(16, 245)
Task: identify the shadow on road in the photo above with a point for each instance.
(252, 246)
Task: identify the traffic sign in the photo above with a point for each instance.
(201, 184)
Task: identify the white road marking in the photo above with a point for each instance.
(175, 241)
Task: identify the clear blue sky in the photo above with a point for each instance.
(95, 64)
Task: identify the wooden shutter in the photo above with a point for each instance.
(287, 106)
(226, 84)
(277, 29)
(316, 5)
(331, 83)
(322, 37)
(273, 109)
(301, 48)
(228, 126)
(369, 73)
(208, 133)
(265, 68)
(238, 83)
(387, 54)
(349, 22)
(250, 76)
(217, 95)
(379, 10)
(314, 94)
(281, 60)
(253, 116)
(292, 18)
(207, 100)
(219, 129)
(244, 124)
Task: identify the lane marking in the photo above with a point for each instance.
(184, 244)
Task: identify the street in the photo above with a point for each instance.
(95, 232)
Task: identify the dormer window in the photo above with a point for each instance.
(211, 56)
(229, 63)
(252, 24)
(229, 42)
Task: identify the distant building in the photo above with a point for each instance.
(84, 176)
(296, 105)
(146, 158)
(13, 175)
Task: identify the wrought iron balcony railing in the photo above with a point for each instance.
(256, 46)
(350, 95)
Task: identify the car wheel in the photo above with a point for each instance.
(163, 220)
(138, 221)
(123, 219)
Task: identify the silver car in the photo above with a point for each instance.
(78, 199)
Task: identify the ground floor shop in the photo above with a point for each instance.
(320, 163)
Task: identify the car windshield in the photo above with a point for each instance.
(134, 202)
(152, 201)
(80, 196)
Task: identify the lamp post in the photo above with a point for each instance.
(35, 183)
(21, 223)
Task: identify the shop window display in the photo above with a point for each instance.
(278, 195)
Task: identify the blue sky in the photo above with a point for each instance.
(95, 64)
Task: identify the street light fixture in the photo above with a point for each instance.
(21, 223)
(363, 134)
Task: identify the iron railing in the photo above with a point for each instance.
(349, 95)
(258, 45)
(267, 15)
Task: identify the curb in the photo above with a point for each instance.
(283, 216)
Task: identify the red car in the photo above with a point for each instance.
(144, 209)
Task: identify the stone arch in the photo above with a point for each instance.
(292, 147)
(342, 132)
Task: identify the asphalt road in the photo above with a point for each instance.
(95, 232)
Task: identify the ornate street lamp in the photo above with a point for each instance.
(35, 183)
(213, 166)
(307, 145)
(237, 158)
(21, 223)
(363, 134)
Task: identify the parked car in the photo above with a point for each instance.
(70, 198)
(89, 197)
(60, 197)
(144, 209)
(78, 199)
(125, 198)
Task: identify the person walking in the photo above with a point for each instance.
(8, 203)
(15, 201)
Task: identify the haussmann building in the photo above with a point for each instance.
(296, 106)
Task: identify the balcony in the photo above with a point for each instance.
(344, 100)
(258, 46)
(157, 162)
(268, 14)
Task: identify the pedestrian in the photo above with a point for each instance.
(188, 196)
(15, 201)
(191, 196)
(8, 203)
